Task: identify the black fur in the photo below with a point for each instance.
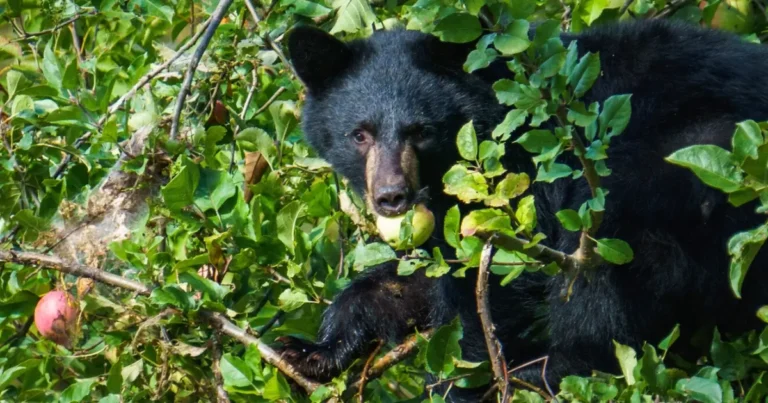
(689, 86)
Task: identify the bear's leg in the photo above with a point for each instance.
(379, 304)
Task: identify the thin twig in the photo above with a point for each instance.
(270, 101)
(215, 319)
(11, 234)
(670, 8)
(76, 43)
(215, 20)
(221, 394)
(545, 360)
(625, 7)
(495, 354)
(28, 35)
(364, 374)
(532, 387)
(19, 333)
(282, 279)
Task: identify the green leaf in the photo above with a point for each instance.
(352, 16)
(507, 91)
(514, 39)
(526, 213)
(712, 164)
(615, 115)
(526, 396)
(746, 140)
(19, 305)
(115, 378)
(13, 79)
(536, 141)
(179, 192)
(728, 358)
(485, 220)
(651, 368)
(556, 171)
(157, 9)
(479, 59)
(171, 294)
(569, 219)
(614, 251)
(308, 8)
(668, 341)
(593, 9)
(762, 313)
(234, 371)
(627, 361)
(584, 74)
(131, 372)
(513, 185)
(465, 185)
(579, 115)
(701, 389)
(214, 189)
(78, 391)
(51, 69)
(459, 28)
(111, 398)
(466, 140)
(406, 267)
(8, 375)
(373, 254)
(214, 290)
(255, 139)
(743, 248)
(286, 223)
(514, 119)
(443, 348)
(22, 103)
(291, 299)
(451, 226)
(321, 394)
(549, 29)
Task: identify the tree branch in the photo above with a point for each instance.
(495, 354)
(215, 20)
(217, 320)
(218, 380)
(394, 356)
(540, 252)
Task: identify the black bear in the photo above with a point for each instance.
(385, 112)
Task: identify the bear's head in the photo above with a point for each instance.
(385, 111)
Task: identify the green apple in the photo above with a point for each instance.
(423, 224)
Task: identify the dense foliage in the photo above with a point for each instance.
(234, 214)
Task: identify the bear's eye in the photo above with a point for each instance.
(359, 136)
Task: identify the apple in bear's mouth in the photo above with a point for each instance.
(423, 224)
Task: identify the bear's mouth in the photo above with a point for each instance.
(420, 196)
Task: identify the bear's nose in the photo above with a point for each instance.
(392, 200)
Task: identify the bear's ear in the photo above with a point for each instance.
(316, 56)
(448, 55)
